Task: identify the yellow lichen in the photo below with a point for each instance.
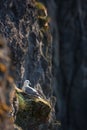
(40, 6)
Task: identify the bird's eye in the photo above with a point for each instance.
(27, 81)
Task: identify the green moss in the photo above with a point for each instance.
(32, 108)
(40, 6)
(22, 103)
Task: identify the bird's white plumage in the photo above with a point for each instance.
(29, 90)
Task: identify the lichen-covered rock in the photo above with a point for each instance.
(29, 42)
(25, 25)
(31, 108)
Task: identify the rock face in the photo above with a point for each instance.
(69, 61)
(33, 111)
(25, 26)
(7, 92)
(29, 44)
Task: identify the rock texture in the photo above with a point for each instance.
(33, 111)
(25, 26)
(7, 91)
(30, 46)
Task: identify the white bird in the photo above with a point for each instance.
(29, 90)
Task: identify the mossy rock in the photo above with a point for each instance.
(32, 108)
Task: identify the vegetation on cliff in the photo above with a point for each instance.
(25, 26)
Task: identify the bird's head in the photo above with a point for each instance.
(27, 82)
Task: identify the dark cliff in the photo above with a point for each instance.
(69, 61)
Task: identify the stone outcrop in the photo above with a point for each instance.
(25, 26)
